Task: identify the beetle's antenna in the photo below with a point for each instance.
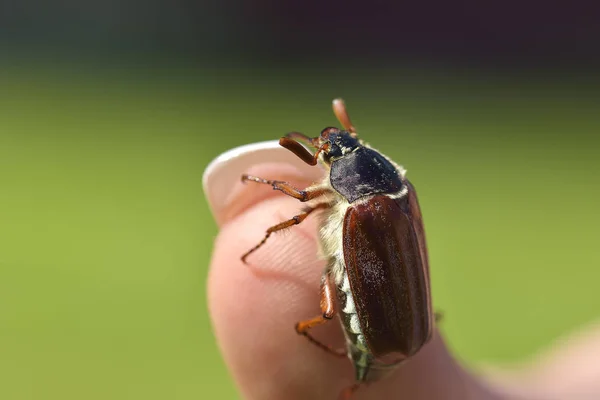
(339, 109)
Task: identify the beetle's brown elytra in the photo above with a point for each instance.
(372, 236)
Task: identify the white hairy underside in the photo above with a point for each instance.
(331, 232)
(331, 239)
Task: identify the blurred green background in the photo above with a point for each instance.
(106, 235)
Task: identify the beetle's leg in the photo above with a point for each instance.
(438, 316)
(300, 151)
(302, 138)
(295, 220)
(286, 188)
(328, 312)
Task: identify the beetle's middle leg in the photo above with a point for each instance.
(295, 220)
(286, 188)
(328, 312)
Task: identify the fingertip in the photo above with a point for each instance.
(223, 184)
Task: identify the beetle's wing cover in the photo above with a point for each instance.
(386, 261)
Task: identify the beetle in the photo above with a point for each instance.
(372, 237)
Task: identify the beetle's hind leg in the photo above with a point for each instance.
(286, 188)
(295, 220)
(327, 314)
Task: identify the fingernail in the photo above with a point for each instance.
(222, 177)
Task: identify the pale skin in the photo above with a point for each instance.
(255, 307)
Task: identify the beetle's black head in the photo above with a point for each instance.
(332, 144)
(338, 143)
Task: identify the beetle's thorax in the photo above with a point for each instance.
(365, 172)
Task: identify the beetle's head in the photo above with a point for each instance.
(336, 143)
(331, 144)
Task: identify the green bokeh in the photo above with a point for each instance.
(106, 236)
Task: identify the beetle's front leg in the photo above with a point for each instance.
(328, 312)
(295, 220)
(286, 188)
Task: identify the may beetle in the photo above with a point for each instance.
(372, 236)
